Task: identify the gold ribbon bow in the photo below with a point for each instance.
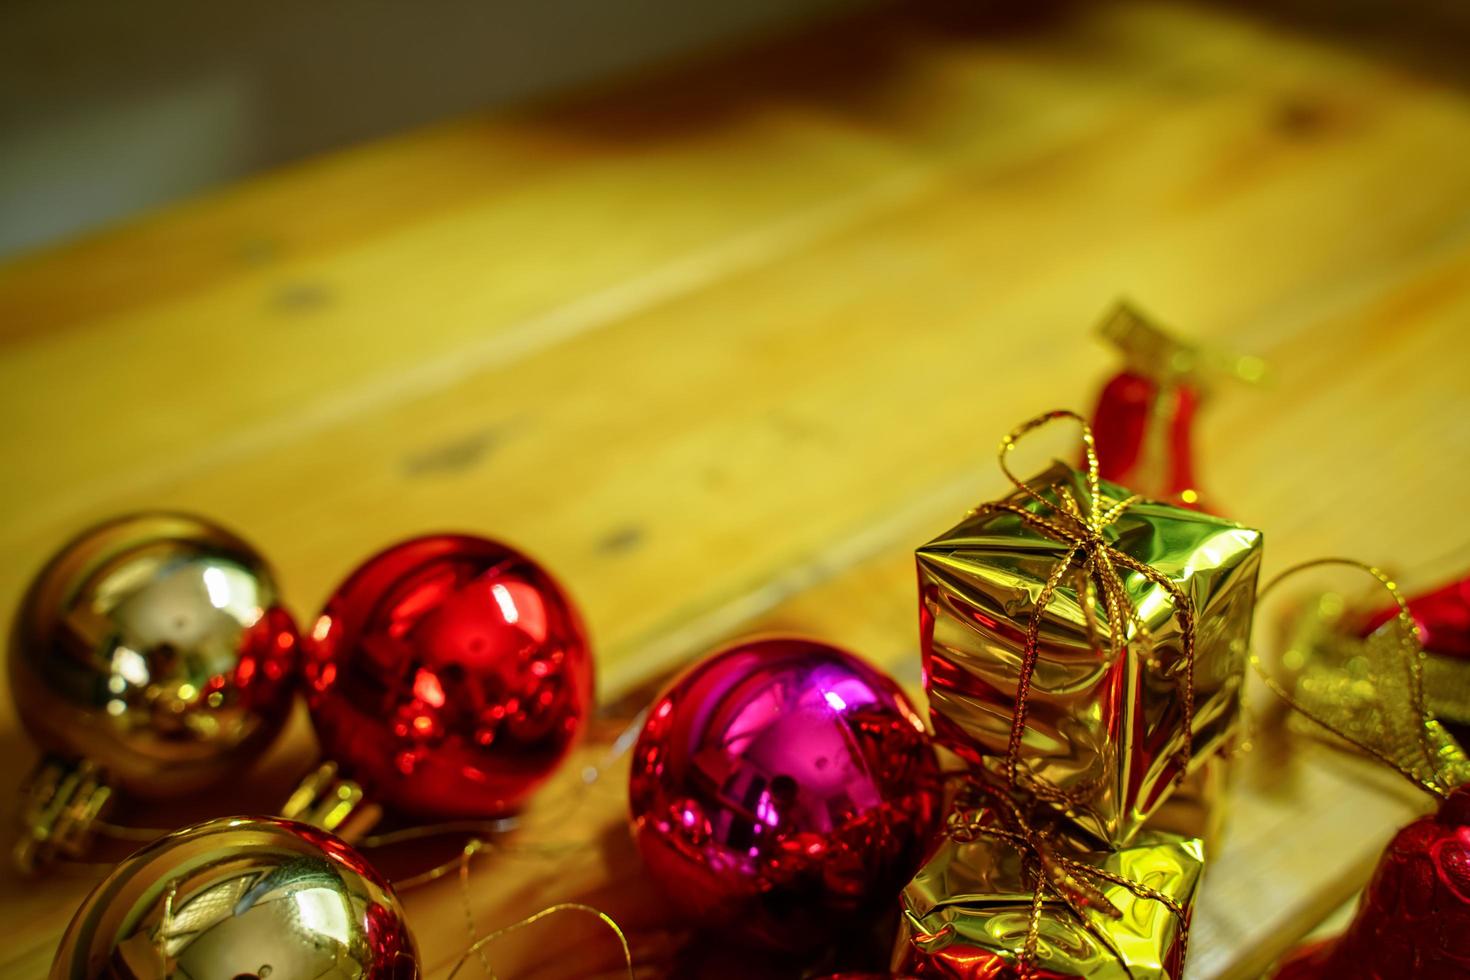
(1080, 526)
(1376, 703)
(1072, 882)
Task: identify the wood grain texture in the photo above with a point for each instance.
(722, 346)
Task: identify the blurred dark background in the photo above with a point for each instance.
(108, 109)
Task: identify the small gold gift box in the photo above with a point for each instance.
(968, 913)
(1082, 641)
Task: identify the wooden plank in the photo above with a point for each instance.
(723, 346)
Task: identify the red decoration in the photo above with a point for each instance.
(1132, 453)
(449, 675)
(782, 790)
(1414, 918)
(1443, 617)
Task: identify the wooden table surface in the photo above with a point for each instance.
(722, 345)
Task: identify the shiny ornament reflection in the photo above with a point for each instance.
(240, 899)
(449, 676)
(783, 790)
(152, 655)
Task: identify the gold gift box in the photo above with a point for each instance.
(1101, 728)
(967, 912)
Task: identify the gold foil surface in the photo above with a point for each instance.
(1106, 729)
(967, 913)
(1198, 806)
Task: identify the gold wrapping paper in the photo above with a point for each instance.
(1105, 722)
(1198, 807)
(967, 913)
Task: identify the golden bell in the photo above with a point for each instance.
(151, 655)
(241, 898)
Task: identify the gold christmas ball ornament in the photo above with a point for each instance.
(151, 655)
(242, 898)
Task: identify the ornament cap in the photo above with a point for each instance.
(339, 806)
(61, 801)
(1158, 354)
(1145, 415)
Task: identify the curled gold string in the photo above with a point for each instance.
(494, 830)
(1435, 776)
(466, 855)
(1081, 528)
(406, 835)
(457, 863)
(478, 943)
(601, 916)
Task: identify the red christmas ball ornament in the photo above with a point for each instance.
(447, 678)
(1414, 917)
(782, 790)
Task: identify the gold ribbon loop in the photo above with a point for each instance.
(1081, 527)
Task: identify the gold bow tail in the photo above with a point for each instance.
(1085, 644)
(1327, 636)
(1368, 691)
(1014, 892)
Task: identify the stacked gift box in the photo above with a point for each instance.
(1084, 654)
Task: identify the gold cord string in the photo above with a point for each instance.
(469, 909)
(406, 835)
(1080, 527)
(601, 916)
(478, 943)
(1434, 762)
